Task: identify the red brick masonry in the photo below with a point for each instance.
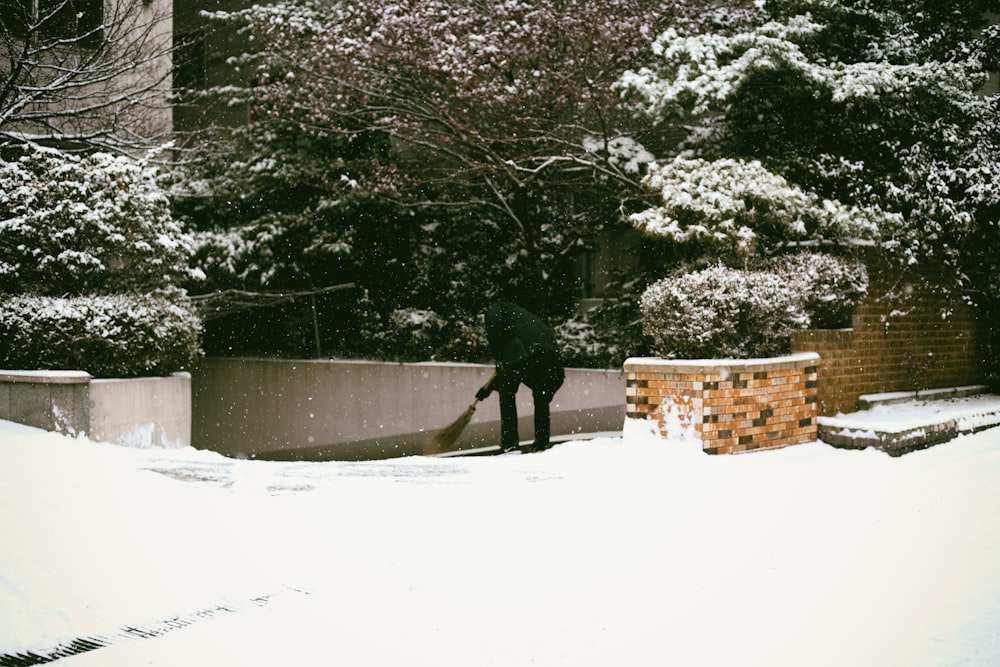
(727, 405)
(893, 344)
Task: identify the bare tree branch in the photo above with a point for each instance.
(88, 81)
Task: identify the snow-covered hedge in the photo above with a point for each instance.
(826, 286)
(106, 336)
(720, 312)
(90, 262)
(83, 224)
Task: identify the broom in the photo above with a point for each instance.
(448, 436)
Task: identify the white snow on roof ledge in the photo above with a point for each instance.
(701, 365)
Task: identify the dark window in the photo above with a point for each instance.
(189, 61)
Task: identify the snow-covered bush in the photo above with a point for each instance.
(416, 331)
(83, 224)
(581, 344)
(720, 312)
(828, 287)
(107, 336)
(603, 337)
(415, 334)
(90, 262)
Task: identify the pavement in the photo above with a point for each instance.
(895, 422)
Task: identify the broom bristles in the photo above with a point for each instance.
(447, 436)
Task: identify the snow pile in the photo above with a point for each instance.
(604, 552)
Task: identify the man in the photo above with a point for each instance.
(526, 352)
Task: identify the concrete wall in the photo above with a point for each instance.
(350, 410)
(52, 400)
(140, 412)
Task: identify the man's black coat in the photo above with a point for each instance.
(526, 352)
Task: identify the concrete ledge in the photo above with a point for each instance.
(136, 412)
(45, 377)
(52, 400)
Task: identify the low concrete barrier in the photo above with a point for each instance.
(51, 400)
(352, 410)
(142, 412)
(135, 412)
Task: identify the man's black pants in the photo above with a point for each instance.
(543, 373)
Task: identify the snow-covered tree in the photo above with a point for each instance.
(506, 106)
(487, 134)
(863, 103)
(873, 104)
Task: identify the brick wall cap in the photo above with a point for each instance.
(45, 377)
(655, 364)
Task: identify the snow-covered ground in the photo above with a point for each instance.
(611, 551)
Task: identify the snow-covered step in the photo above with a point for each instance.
(900, 426)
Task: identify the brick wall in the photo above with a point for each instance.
(894, 344)
(726, 406)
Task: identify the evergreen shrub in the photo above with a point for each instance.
(85, 224)
(721, 312)
(605, 336)
(828, 286)
(90, 262)
(416, 334)
(121, 335)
